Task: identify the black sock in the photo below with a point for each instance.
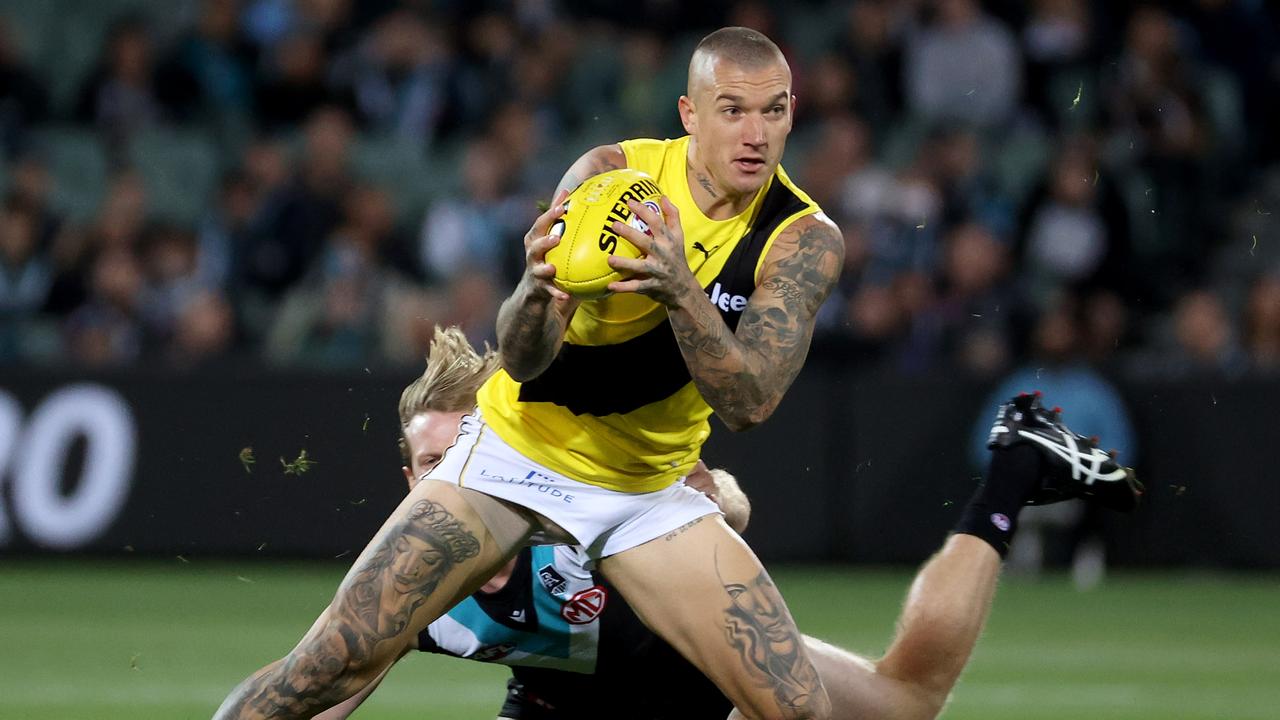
(992, 513)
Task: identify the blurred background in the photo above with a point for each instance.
(228, 227)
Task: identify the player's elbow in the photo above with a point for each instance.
(748, 417)
(522, 367)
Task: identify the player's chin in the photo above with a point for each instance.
(750, 177)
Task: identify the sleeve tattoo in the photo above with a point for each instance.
(744, 375)
(376, 604)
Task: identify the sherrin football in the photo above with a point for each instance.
(586, 231)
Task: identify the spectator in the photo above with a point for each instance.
(643, 103)
(107, 330)
(336, 317)
(293, 88)
(299, 214)
(170, 264)
(872, 46)
(1203, 341)
(26, 273)
(955, 159)
(23, 99)
(530, 148)
(124, 93)
(1058, 40)
(479, 229)
(1244, 38)
(31, 184)
(962, 66)
(1159, 113)
(968, 322)
(829, 90)
(1262, 324)
(217, 60)
(224, 234)
(841, 153)
(204, 331)
(489, 51)
(1075, 229)
(400, 78)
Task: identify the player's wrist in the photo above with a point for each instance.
(686, 294)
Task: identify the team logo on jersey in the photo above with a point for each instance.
(553, 581)
(585, 606)
(493, 653)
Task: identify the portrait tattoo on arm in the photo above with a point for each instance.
(759, 627)
(376, 604)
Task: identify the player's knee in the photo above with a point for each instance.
(813, 705)
(920, 696)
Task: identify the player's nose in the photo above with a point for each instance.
(753, 131)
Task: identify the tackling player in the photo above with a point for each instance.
(575, 646)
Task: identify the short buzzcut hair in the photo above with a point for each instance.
(743, 47)
(454, 373)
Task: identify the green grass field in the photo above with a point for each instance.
(169, 639)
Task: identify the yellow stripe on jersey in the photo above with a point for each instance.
(646, 448)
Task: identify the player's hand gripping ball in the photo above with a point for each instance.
(586, 236)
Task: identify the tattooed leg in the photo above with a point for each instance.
(759, 627)
(704, 591)
(430, 553)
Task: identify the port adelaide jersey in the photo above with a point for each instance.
(545, 616)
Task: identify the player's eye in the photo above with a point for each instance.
(777, 110)
(731, 111)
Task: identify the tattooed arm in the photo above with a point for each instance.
(743, 376)
(532, 322)
(593, 162)
(367, 626)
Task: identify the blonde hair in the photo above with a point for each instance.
(455, 372)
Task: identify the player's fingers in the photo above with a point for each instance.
(629, 285)
(544, 274)
(642, 241)
(647, 214)
(557, 294)
(542, 271)
(537, 249)
(542, 224)
(670, 213)
(628, 265)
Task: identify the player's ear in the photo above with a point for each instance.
(408, 476)
(688, 115)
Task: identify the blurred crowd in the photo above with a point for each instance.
(318, 182)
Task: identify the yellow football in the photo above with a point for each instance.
(586, 231)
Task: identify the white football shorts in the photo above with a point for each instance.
(604, 522)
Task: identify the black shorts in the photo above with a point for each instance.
(552, 695)
(520, 705)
